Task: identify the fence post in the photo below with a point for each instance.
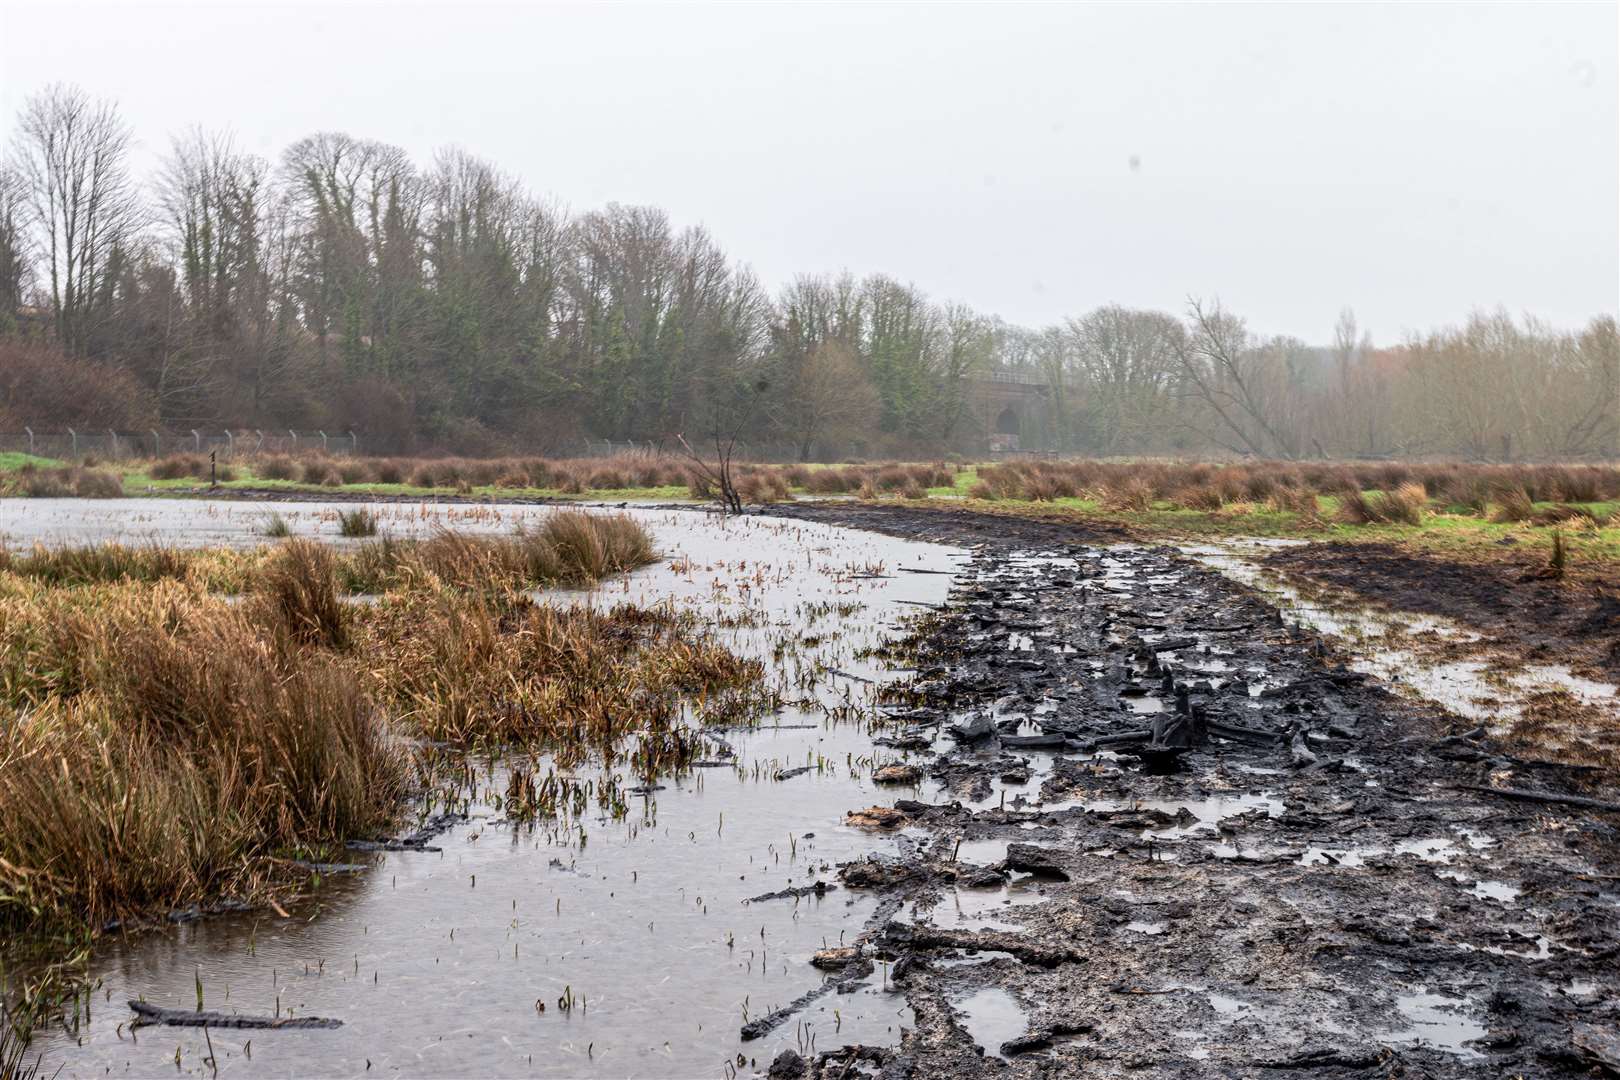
(196, 441)
(30, 440)
(294, 435)
(113, 435)
(260, 444)
(323, 442)
(74, 435)
(354, 443)
(157, 443)
(230, 443)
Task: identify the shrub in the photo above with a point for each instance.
(1131, 495)
(45, 484)
(1513, 504)
(1568, 514)
(1198, 497)
(357, 522)
(98, 484)
(278, 467)
(297, 595)
(1293, 500)
(762, 487)
(1403, 506)
(178, 466)
(1585, 484)
(1470, 491)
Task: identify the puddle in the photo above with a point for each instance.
(976, 909)
(958, 958)
(1437, 1021)
(1436, 849)
(991, 1017)
(1474, 689)
(435, 961)
(1004, 792)
(1207, 813)
(1488, 890)
(982, 852)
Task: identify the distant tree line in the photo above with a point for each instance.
(345, 286)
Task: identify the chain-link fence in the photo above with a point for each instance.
(72, 444)
(75, 444)
(745, 451)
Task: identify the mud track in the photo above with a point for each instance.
(1292, 881)
(1576, 622)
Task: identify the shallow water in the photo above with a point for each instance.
(234, 522)
(978, 909)
(1477, 689)
(436, 962)
(991, 1016)
(1439, 1021)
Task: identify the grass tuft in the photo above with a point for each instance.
(357, 522)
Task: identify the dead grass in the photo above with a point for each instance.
(67, 482)
(101, 563)
(160, 745)
(570, 548)
(357, 522)
(296, 596)
(1513, 504)
(1403, 506)
(568, 680)
(1368, 492)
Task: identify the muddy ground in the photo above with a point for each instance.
(1193, 843)
(1512, 600)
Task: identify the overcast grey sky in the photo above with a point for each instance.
(1414, 162)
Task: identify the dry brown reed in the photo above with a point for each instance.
(160, 745)
(1403, 506)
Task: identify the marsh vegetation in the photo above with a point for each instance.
(179, 723)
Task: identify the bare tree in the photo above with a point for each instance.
(728, 408)
(15, 271)
(213, 197)
(829, 398)
(1127, 359)
(73, 153)
(966, 350)
(1237, 383)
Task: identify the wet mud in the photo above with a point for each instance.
(1161, 832)
(1574, 621)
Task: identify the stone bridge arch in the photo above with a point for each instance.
(1012, 412)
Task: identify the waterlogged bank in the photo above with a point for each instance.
(635, 933)
(1311, 887)
(1283, 868)
(1532, 698)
